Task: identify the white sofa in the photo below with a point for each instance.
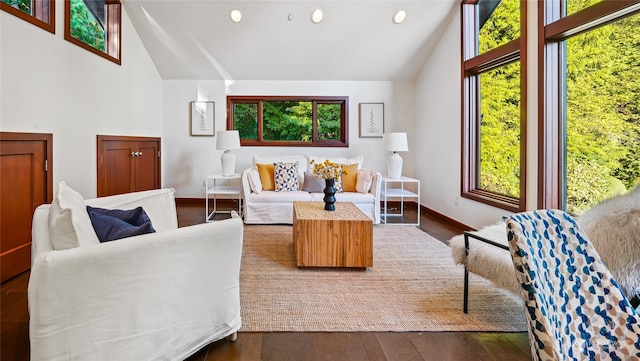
(277, 207)
(157, 296)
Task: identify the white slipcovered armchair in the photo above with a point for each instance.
(157, 296)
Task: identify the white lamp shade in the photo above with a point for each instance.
(395, 142)
(227, 139)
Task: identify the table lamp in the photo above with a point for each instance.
(227, 140)
(395, 142)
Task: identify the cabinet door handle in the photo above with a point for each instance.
(136, 154)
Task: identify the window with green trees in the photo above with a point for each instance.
(289, 121)
(94, 25)
(599, 104)
(493, 123)
(38, 12)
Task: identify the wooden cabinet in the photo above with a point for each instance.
(25, 183)
(127, 164)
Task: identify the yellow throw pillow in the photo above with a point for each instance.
(266, 176)
(349, 179)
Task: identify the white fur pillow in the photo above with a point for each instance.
(69, 222)
(363, 181)
(254, 180)
(613, 227)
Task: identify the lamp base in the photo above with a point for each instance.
(394, 165)
(228, 162)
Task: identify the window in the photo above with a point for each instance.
(38, 12)
(94, 25)
(592, 114)
(289, 121)
(493, 97)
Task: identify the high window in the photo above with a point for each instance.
(493, 96)
(591, 100)
(38, 12)
(289, 121)
(95, 25)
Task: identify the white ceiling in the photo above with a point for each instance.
(357, 40)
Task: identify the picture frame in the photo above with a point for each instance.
(371, 120)
(202, 118)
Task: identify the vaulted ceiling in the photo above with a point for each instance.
(276, 40)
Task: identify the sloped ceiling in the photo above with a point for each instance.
(276, 40)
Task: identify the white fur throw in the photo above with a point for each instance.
(486, 260)
(613, 227)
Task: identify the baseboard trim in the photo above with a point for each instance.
(446, 219)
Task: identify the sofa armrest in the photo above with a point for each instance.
(125, 295)
(376, 186)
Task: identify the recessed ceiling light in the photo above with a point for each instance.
(399, 16)
(316, 16)
(235, 15)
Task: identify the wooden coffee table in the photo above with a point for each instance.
(340, 238)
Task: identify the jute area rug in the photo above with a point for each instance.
(413, 286)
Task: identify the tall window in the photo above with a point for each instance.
(493, 97)
(38, 12)
(95, 25)
(594, 136)
(289, 121)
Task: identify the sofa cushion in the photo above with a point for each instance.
(266, 176)
(364, 180)
(254, 180)
(285, 176)
(113, 224)
(279, 197)
(69, 223)
(349, 177)
(301, 159)
(313, 183)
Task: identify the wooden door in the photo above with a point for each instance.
(26, 183)
(127, 164)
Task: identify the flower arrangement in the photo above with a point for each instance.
(328, 170)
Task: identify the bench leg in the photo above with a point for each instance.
(465, 297)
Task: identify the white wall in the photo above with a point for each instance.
(438, 120)
(49, 85)
(188, 159)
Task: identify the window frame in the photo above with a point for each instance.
(315, 100)
(472, 66)
(41, 9)
(113, 31)
(553, 29)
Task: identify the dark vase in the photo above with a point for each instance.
(329, 194)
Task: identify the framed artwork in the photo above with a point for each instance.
(371, 120)
(203, 118)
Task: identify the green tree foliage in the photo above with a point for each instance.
(499, 166)
(246, 120)
(85, 27)
(22, 5)
(287, 121)
(602, 112)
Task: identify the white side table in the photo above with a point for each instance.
(217, 185)
(399, 188)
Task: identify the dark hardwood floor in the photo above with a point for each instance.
(299, 346)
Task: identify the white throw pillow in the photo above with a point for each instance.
(364, 179)
(254, 181)
(69, 222)
(338, 160)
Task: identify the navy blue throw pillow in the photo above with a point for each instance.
(112, 224)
